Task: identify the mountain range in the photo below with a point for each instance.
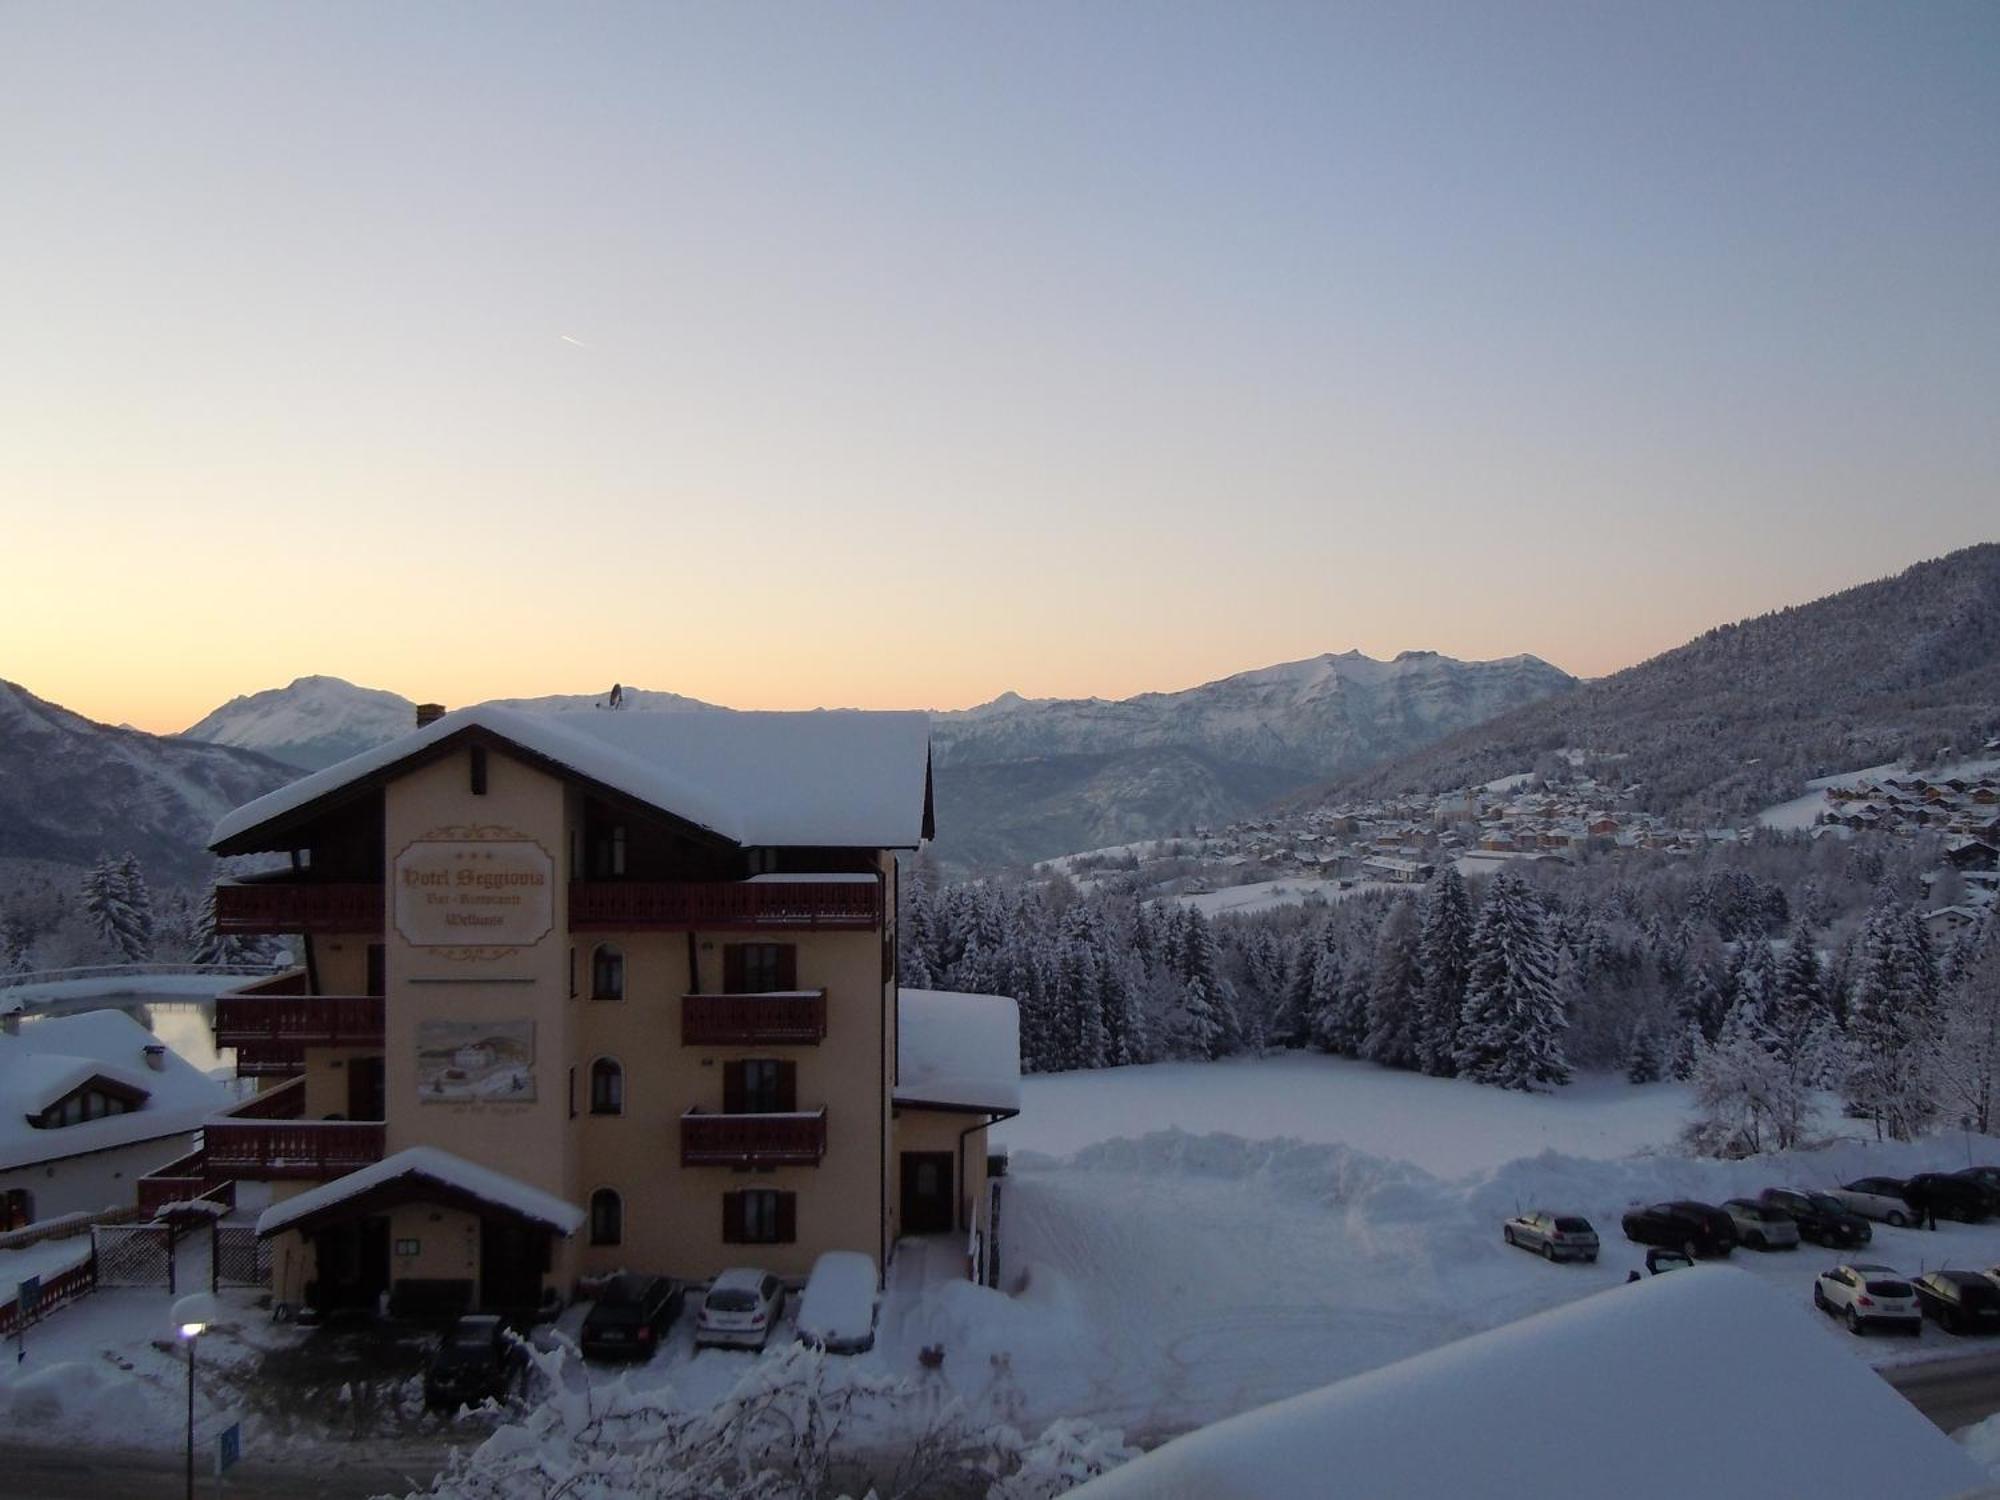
(1899, 669)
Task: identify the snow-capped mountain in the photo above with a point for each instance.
(312, 722)
(1320, 717)
(73, 790)
(1743, 715)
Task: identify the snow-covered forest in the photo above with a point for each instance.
(113, 915)
(1761, 971)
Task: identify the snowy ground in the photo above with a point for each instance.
(1179, 1242)
(1267, 895)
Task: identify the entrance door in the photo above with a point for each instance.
(928, 1204)
(352, 1265)
(512, 1257)
(365, 1095)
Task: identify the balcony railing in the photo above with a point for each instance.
(786, 1018)
(723, 905)
(298, 906)
(285, 1102)
(275, 1149)
(787, 1140)
(278, 1010)
(270, 1059)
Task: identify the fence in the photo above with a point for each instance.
(134, 1254)
(238, 1257)
(64, 1286)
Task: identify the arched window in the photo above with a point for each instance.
(607, 973)
(607, 1217)
(607, 1087)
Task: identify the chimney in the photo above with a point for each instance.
(156, 1057)
(429, 713)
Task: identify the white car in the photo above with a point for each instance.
(837, 1309)
(1878, 1198)
(1867, 1295)
(741, 1307)
(1552, 1236)
(1762, 1227)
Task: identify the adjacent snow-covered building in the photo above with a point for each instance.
(89, 1104)
(595, 990)
(1698, 1382)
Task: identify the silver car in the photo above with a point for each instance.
(1552, 1236)
(740, 1309)
(1762, 1227)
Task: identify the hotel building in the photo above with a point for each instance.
(594, 990)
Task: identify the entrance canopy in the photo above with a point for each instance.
(422, 1174)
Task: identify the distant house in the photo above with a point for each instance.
(88, 1105)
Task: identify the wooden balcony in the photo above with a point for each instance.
(790, 1018)
(272, 1150)
(270, 1059)
(279, 1012)
(788, 1140)
(284, 906)
(285, 1102)
(723, 905)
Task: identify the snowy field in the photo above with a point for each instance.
(1439, 1124)
(1268, 895)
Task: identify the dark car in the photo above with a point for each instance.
(631, 1316)
(1822, 1220)
(1696, 1229)
(1959, 1301)
(477, 1359)
(1946, 1195)
(1985, 1176)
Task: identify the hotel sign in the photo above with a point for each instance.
(483, 890)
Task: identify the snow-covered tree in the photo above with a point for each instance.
(1892, 1023)
(1969, 1070)
(1511, 1028)
(1643, 1062)
(1395, 995)
(1444, 954)
(1746, 1097)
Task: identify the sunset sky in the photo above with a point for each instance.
(896, 355)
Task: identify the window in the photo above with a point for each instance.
(607, 1087)
(607, 1217)
(760, 1216)
(759, 1086)
(607, 851)
(607, 973)
(762, 861)
(758, 968)
(479, 770)
(84, 1104)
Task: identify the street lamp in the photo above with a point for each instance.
(192, 1317)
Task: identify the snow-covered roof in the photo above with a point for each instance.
(958, 1051)
(1719, 1376)
(841, 778)
(436, 1166)
(52, 1055)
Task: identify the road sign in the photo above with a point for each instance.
(228, 1448)
(29, 1298)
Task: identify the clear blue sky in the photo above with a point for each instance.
(905, 354)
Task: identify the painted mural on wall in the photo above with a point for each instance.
(473, 891)
(476, 1062)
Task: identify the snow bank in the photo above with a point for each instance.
(1644, 1391)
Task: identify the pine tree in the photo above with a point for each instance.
(136, 939)
(1395, 997)
(1643, 1063)
(1206, 1024)
(1802, 1002)
(1892, 1022)
(1444, 949)
(1511, 1030)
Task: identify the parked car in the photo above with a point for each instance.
(837, 1308)
(1759, 1226)
(1959, 1301)
(1946, 1195)
(1821, 1219)
(1985, 1176)
(1868, 1296)
(631, 1316)
(1552, 1236)
(475, 1360)
(741, 1307)
(1878, 1198)
(1696, 1229)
